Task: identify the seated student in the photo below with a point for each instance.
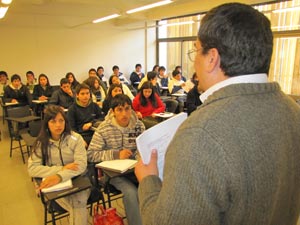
(72, 80)
(84, 113)
(163, 80)
(98, 90)
(3, 81)
(146, 103)
(31, 81)
(179, 68)
(113, 90)
(193, 99)
(155, 68)
(171, 104)
(115, 139)
(58, 155)
(175, 86)
(42, 91)
(17, 92)
(64, 96)
(101, 76)
(114, 79)
(136, 76)
(121, 76)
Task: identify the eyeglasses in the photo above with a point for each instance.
(192, 54)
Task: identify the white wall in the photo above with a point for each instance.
(56, 52)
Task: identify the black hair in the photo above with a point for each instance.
(120, 100)
(15, 77)
(178, 67)
(161, 68)
(100, 67)
(3, 73)
(143, 100)
(45, 76)
(151, 75)
(79, 87)
(44, 136)
(92, 70)
(29, 72)
(175, 73)
(154, 67)
(111, 78)
(64, 81)
(140, 65)
(241, 34)
(111, 88)
(115, 67)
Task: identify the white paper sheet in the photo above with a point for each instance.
(158, 137)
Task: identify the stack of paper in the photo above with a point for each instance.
(58, 187)
(118, 165)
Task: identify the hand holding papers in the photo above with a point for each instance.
(117, 165)
(158, 137)
(58, 187)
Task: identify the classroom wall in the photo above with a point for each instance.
(58, 51)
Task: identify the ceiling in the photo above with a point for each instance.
(78, 14)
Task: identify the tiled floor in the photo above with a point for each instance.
(19, 204)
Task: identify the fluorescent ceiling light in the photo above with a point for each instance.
(176, 24)
(106, 18)
(287, 9)
(3, 11)
(149, 6)
(6, 1)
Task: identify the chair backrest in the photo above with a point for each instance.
(19, 111)
(34, 127)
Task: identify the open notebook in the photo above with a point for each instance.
(58, 187)
(118, 165)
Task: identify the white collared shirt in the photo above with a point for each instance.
(252, 78)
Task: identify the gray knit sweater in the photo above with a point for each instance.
(110, 138)
(238, 163)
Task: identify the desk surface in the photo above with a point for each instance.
(40, 101)
(23, 119)
(79, 184)
(112, 174)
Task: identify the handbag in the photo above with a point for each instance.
(106, 216)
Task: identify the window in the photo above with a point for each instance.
(176, 37)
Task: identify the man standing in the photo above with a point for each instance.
(239, 160)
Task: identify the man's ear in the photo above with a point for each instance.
(213, 59)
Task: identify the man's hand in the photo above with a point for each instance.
(125, 154)
(71, 166)
(142, 170)
(50, 181)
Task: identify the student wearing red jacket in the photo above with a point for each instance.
(146, 103)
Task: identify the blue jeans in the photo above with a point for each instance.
(130, 199)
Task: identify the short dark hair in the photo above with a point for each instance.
(242, 36)
(175, 73)
(29, 72)
(3, 73)
(162, 68)
(100, 67)
(64, 81)
(136, 65)
(115, 67)
(81, 86)
(120, 100)
(151, 75)
(92, 70)
(15, 77)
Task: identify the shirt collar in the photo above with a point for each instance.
(252, 78)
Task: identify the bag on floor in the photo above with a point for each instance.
(106, 216)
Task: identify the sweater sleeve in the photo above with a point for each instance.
(194, 184)
(96, 151)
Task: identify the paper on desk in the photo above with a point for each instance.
(58, 187)
(158, 137)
